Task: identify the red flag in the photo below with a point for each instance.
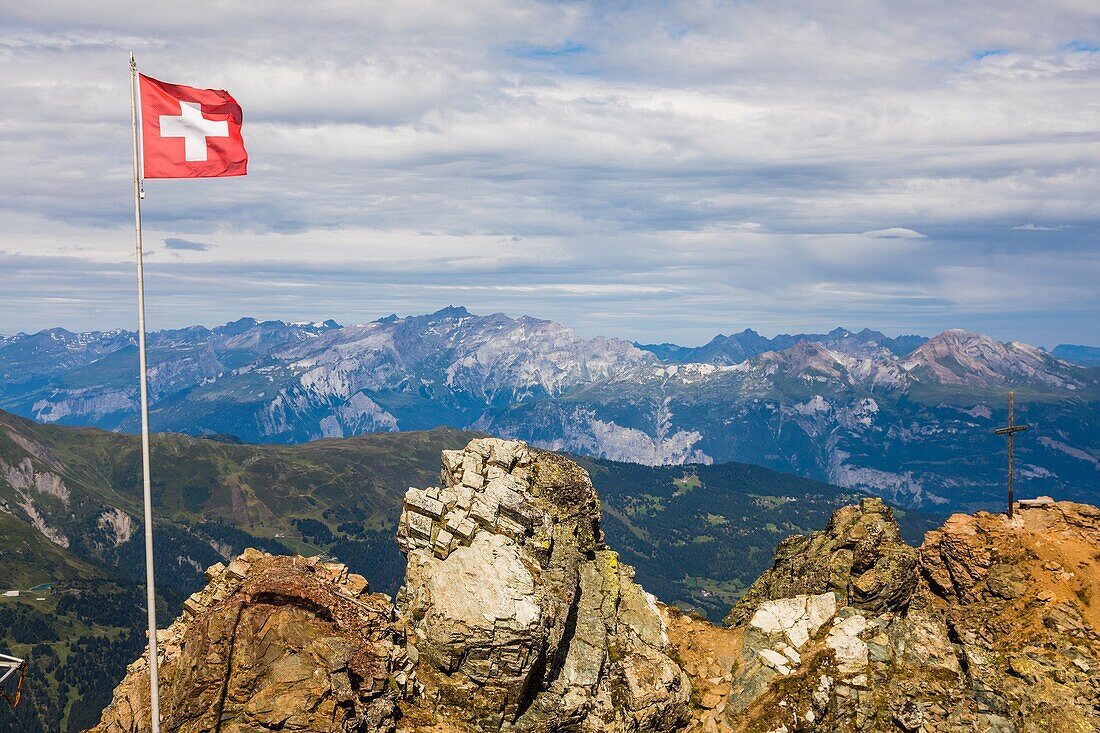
(190, 133)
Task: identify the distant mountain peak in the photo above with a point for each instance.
(958, 356)
(451, 311)
(725, 350)
(315, 325)
(238, 326)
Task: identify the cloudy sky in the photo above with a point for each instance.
(656, 171)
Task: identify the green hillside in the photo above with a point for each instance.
(212, 499)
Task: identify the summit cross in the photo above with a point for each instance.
(193, 128)
(1010, 431)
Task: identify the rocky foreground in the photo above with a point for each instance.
(515, 615)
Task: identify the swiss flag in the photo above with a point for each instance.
(190, 133)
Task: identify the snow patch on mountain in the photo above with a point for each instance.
(858, 416)
(902, 488)
(358, 415)
(693, 373)
(1029, 470)
(815, 405)
(979, 411)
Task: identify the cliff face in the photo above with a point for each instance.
(519, 615)
(515, 616)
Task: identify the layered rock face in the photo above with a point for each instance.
(519, 615)
(990, 626)
(272, 644)
(515, 616)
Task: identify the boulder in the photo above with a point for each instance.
(272, 644)
(991, 625)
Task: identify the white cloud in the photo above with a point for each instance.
(894, 233)
(1030, 227)
(713, 151)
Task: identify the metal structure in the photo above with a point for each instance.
(1010, 431)
(8, 667)
(150, 589)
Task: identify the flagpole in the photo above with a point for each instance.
(150, 588)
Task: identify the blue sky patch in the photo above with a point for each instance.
(1083, 46)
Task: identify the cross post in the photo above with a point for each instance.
(1010, 431)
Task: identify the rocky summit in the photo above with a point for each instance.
(515, 616)
(989, 626)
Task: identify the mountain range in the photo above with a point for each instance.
(909, 418)
(729, 350)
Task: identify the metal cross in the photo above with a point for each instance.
(1010, 431)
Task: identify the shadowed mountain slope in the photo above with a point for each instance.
(909, 418)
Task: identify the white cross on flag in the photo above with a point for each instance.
(190, 133)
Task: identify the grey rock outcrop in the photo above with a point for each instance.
(520, 616)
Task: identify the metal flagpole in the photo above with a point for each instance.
(154, 691)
